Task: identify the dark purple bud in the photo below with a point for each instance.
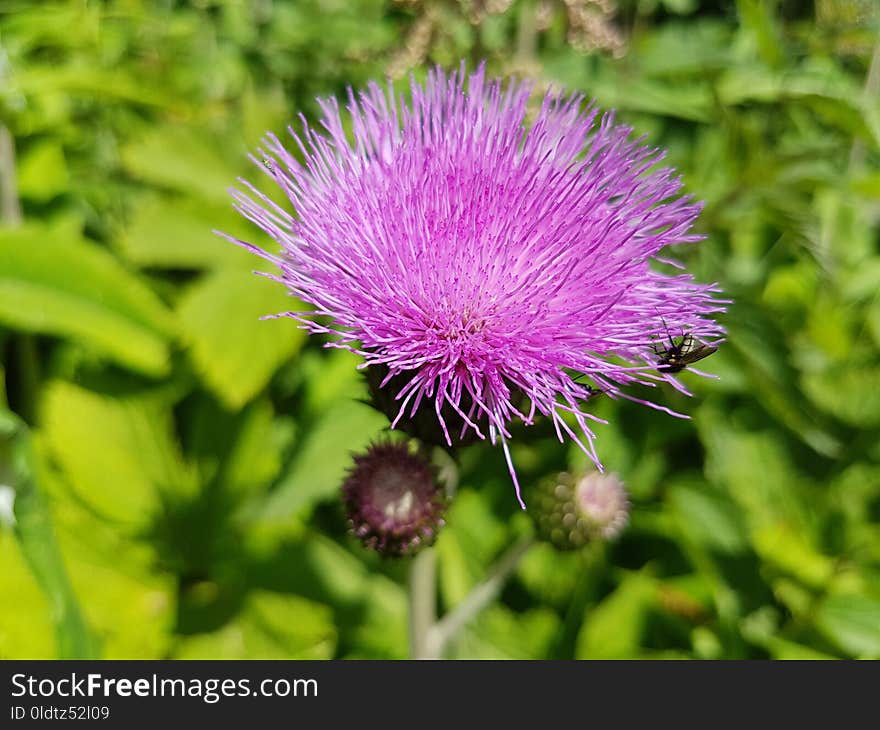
(393, 500)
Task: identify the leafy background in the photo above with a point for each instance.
(171, 465)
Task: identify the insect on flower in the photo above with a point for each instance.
(481, 258)
(679, 355)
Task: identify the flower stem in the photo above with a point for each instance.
(429, 637)
(480, 597)
(422, 604)
(10, 207)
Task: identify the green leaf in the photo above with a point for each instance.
(322, 459)
(868, 185)
(382, 631)
(311, 565)
(499, 633)
(74, 638)
(792, 651)
(759, 25)
(271, 626)
(330, 376)
(118, 454)
(183, 159)
(42, 172)
(233, 349)
(455, 567)
(853, 623)
(691, 102)
(790, 550)
(472, 539)
(851, 394)
(57, 284)
(550, 575)
(695, 48)
(761, 628)
(755, 468)
(176, 233)
(759, 344)
(240, 451)
(791, 287)
(847, 231)
(709, 518)
(27, 629)
(92, 81)
(262, 112)
(613, 629)
(120, 594)
(255, 457)
(39, 548)
(114, 575)
(824, 91)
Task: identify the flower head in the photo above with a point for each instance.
(483, 265)
(393, 501)
(572, 512)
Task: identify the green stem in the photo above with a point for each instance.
(428, 638)
(10, 206)
(480, 597)
(422, 604)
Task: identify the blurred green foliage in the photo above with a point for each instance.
(175, 461)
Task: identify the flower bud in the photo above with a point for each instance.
(570, 513)
(392, 499)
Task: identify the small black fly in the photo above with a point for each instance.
(679, 355)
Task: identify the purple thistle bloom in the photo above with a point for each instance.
(483, 262)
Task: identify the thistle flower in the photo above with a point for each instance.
(483, 266)
(393, 501)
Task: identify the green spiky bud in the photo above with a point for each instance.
(569, 512)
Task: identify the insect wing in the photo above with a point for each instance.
(695, 354)
(688, 351)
